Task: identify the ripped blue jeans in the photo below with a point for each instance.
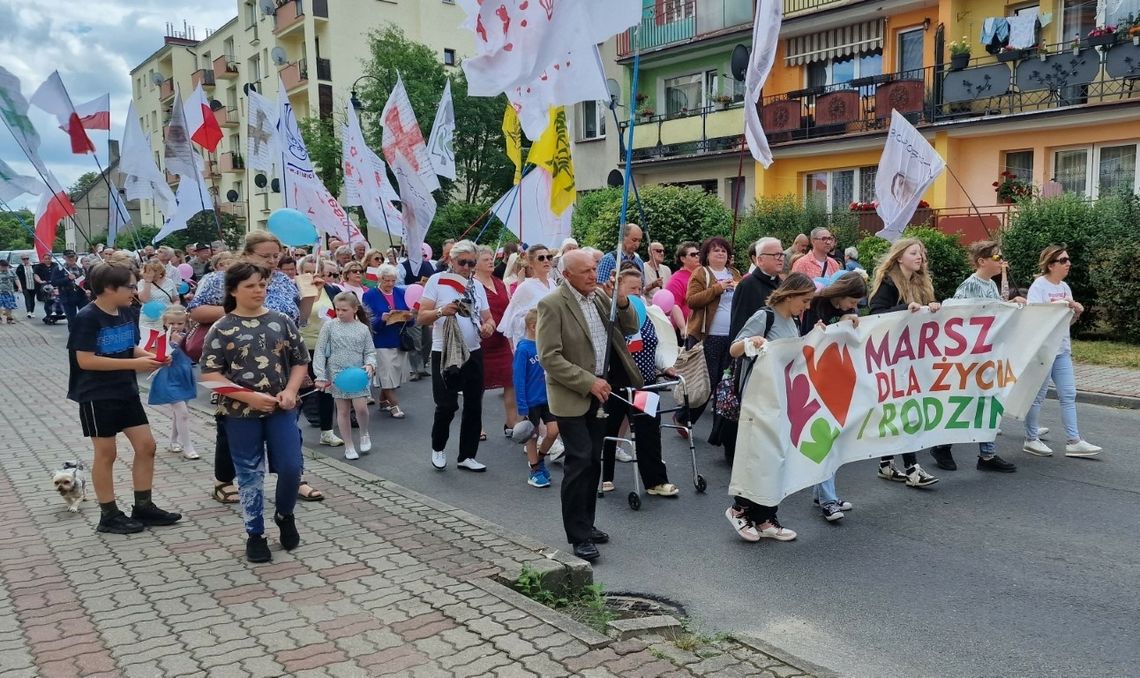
(249, 438)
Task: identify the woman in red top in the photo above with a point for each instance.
(497, 355)
(688, 260)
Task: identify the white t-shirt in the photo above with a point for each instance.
(526, 296)
(1044, 292)
(440, 289)
(723, 318)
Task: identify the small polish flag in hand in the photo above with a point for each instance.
(647, 402)
(223, 386)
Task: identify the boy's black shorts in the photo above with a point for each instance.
(108, 418)
(537, 413)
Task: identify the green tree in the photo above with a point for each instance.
(13, 235)
(480, 159)
(785, 217)
(455, 219)
(82, 184)
(324, 146)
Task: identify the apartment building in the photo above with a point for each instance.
(1053, 106)
(317, 48)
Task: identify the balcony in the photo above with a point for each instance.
(225, 67)
(231, 163)
(675, 22)
(710, 130)
(227, 117)
(289, 16)
(166, 89)
(294, 75)
(236, 209)
(795, 8)
(203, 77)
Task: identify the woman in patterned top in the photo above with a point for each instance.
(261, 351)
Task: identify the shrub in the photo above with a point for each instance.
(871, 249)
(1117, 281)
(784, 217)
(671, 214)
(949, 264)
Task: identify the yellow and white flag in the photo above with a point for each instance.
(512, 135)
(552, 153)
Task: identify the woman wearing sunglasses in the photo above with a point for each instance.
(1049, 288)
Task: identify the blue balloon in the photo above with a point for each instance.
(639, 307)
(183, 287)
(352, 380)
(292, 228)
(153, 309)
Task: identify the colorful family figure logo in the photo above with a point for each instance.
(831, 376)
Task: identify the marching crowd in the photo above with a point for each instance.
(275, 330)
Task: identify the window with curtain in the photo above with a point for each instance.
(842, 189)
(684, 94)
(867, 183)
(591, 120)
(839, 71)
(1116, 169)
(910, 51)
(837, 189)
(1118, 12)
(1020, 164)
(1070, 169)
(1077, 19)
(817, 191)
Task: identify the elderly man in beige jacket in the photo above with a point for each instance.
(572, 343)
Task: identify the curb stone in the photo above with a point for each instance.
(789, 659)
(588, 636)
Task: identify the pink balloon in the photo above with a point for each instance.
(664, 300)
(412, 294)
(186, 271)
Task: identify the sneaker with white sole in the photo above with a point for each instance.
(439, 460)
(774, 530)
(350, 454)
(190, 454)
(470, 464)
(831, 512)
(917, 477)
(365, 443)
(538, 478)
(891, 472)
(621, 455)
(843, 504)
(741, 524)
(1037, 448)
(330, 439)
(1042, 431)
(556, 450)
(1081, 448)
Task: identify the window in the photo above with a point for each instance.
(1096, 171)
(910, 51)
(591, 120)
(683, 94)
(448, 57)
(836, 189)
(255, 70)
(1070, 169)
(1020, 164)
(1116, 169)
(206, 61)
(839, 71)
(738, 192)
(1077, 19)
(717, 84)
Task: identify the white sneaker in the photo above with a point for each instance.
(350, 454)
(741, 524)
(439, 460)
(175, 448)
(1042, 431)
(919, 478)
(329, 438)
(1081, 448)
(191, 454)
(470, 464)
(556, 450)
(622, 455)
(1037, 448)
(30, 316)
(365, 443)
(774, 530)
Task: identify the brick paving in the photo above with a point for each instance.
(385, 582)
(1115, 381)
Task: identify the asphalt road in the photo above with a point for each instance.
(1029, 574)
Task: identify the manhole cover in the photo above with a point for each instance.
(632, 605)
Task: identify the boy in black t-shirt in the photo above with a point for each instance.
(104, 356)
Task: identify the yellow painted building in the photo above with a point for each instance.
(1049, 107)
(317, 48)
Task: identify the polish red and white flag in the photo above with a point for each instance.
(223, 386)
(201, 124)
(94, 114)
(52, 97)
(54, 207)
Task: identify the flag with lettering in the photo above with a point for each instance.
(366, 182)
(908, 166)
(403, 138)
(898, 382)
(441, 142)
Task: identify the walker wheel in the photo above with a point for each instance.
(701, 484)
(634, 501)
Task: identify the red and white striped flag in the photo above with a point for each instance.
(223, 386)
(94, 114)
(201, 124)
(52, 97)
(647, 402)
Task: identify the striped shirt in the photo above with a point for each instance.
(597, 327)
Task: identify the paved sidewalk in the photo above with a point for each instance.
(385, 581)
(1119, 382)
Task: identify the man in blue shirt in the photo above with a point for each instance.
(629, 245)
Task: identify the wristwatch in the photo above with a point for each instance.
(439, 312)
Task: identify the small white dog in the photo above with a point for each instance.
(71, 483)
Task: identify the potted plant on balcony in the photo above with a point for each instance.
(1103, 36)
(1075, 45)
(1130, 28)
(645, 112)
(1042, 51)
(723, 101)
(1008, 53)
(959, 54)
(1010, 189)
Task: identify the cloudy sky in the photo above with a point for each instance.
(93, 44)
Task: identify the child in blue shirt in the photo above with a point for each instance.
(530, 397)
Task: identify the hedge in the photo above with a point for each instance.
(785, 217)
(948, 262)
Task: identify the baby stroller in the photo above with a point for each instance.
(53, 310)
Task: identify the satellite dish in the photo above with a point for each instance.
(275, 185)
(278, 55)
(157, 78)
(615, 178)
(268, 7)
(232, 195)
(259, 180)
(249, 87)
(739, 62)
(614, 90)
(216, 105)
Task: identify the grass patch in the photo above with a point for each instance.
(692, 639)
(586, 605)
(1104, 352)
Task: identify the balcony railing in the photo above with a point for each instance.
(204, 77)
(225, 67)
(295, 75)
(715, 129)
(794, 8)
(231, 162)
(227, 117)
(288, 15)
(236, 209)
(166, 89)
(324, 69)
(670, 22)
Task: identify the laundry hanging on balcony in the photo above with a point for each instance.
(859, 38)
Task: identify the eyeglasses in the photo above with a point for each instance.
(657, 251)
(465, 263)
(1062, 260)
(690, 254)
(133, 288)
(543, 257)
(826, 238)
(778, 255)
(997, 257)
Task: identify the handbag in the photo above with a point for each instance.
(694, 371)
(195, 341)
(407, 337)
(726, 404)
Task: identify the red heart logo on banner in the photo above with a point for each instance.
(801, 406)
(833, 376)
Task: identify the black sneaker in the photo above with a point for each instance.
(152, 516)
(119, 523)
(289, 536)
(996, 463)
(943, 458)
(257, 549)
(831, 512)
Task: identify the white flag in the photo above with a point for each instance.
(366, 181)
(525, 210)
(765, 41)
(14, 114)
(51, 96)
(517, 40)
(142, 178)
(177, 150)
(403, 138)
(302, 188)
(908, 167)
(441, 142)
(579, 76)
(13, 184)
(418, 204)
(261, 134)
(193, 197)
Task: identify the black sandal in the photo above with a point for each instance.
(225, 497)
